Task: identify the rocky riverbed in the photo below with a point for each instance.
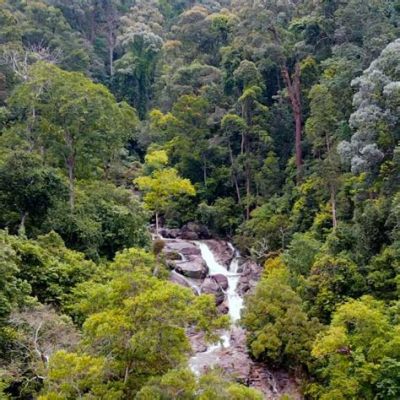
(213, 266)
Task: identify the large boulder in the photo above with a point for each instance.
(197, 341)
(210, 286)
(168, 233)
(223, 308)
(181, 280)
(193, 267)
(250, 274)
(193, 231)
(182, 247)
(189, 235)
(172, 255)
(234, 360)
(222, 280)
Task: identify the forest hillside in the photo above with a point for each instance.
(139, 138)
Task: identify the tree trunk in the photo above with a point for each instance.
(293, 88)
(234, 177)
(111, 59)
(247, 171)
(333, 205)
(127, 370)
(248, 192)
(204, 169)
(70, 162)
(31, 124)
(157, 227)
(332, 184)
(71, 179)
(21, 228)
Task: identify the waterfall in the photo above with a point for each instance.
(235, 304)
(235, 301)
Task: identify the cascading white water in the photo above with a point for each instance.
(235, 304)
(235, 301)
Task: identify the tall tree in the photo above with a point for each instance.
(162, 185)
(72, 121)
(375, 120)
(321, 130)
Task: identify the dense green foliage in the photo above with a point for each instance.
(275, 123)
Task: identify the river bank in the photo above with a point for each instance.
(213, 266)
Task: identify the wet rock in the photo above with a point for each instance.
(250, 275)
(193, 231)
(182, 247)
(222, 251)
(188, 235)
(197, 341)
(223, 308)
(191, 251)
(274, 384)
(194, 268)
(222, 280)
(171, 264)
(170, 233)
(234, 360)
(210, 286)
(185, 257)
(172, 255)
(244, 283)
(180, 280)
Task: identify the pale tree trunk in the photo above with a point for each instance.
(157, 224)
(331, 184)
(21, 228)
(248, 179)
(204, 169)
(111, 45)
(71, 180)
(333, 205)
(234, 177)
(111, 60)
(244, 150)
(31, 124)
(293, 88)
(128, 368)
(292, 84)
(70, 163)
(112, 25)
(248, 192)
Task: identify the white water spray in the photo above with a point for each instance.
(235, 304)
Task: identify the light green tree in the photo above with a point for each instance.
(321, 129)
(78, 376)
(278, 328)
(359, 354)
(182, 384)
(137, 320)
(162, 185)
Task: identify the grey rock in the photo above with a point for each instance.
(194, 268)
(170, 233)
(210, 286)
(222, 280)
(192, 230)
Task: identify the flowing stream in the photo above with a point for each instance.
(234, 301)
(231, 351)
